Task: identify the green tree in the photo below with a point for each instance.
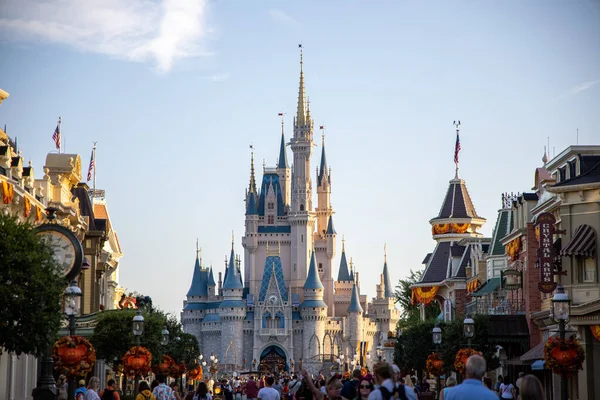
(416, 343)
(113, 335)
(30, 289)
(411, 314)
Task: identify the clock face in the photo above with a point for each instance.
(273, 299)
(67, 249)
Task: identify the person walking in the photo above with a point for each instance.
(202, 392)
(110, 392)
(144, 392)
(531, 388)
(350, 389)
(472, 387)
(162, 391)
(518, 383)
(80, 391)
(268, 393)
(293, 386)
(507, 390)
(365, 387)
(450, 382)
(91, 392)
(251, 388)
(387, 389)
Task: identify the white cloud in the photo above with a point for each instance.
(583, 86)
(162, 31)
(282, 16)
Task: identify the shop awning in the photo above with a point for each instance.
(583, 242)
(535, 353)
(538, 365)
(491, 285)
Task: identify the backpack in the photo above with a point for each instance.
(398, 393)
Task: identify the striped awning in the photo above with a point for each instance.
(583, 242)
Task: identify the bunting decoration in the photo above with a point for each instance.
(38, 214)
(26, 207)
(8, 192)
(472, 286)
(424, 295)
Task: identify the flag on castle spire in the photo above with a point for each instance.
(457, 146)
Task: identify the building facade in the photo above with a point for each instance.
(286, 308)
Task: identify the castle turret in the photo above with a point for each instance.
(199, 288)
(232, 312)
(355, 319)
(314, 312)
(301, 216)
(250, 239)
(283, 170)
(211, 283)
(324, 210)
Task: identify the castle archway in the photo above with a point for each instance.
(273, 359)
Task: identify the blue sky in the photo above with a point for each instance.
(174, 93)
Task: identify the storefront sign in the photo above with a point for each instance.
(511, 279)
(545, 222)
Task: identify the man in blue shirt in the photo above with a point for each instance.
(472, 387)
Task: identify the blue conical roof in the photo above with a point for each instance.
(387, 290)
(312, 280)
(199, 281)
(355, 301)
(211, 278)
(232, 280)
(283, 162)
(330, 228)
(343, 274)
(251, 208)
(323, 167)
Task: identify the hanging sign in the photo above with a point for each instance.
(511, 279)
(545, 222)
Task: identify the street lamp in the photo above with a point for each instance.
(138, 326)
(561, 314)
(437, 340)
(72, 299)
(138, 331)
(165, 336)
(469, 329)
(437, 335)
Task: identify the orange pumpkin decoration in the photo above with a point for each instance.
(73, 356)
(137, 361)
(435, 364)
(460, 228)
(563, 356)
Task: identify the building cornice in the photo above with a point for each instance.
(574, 188)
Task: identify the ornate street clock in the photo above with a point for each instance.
(68, 251)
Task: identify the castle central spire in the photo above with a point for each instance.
(301, 112)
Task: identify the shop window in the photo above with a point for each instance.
(587, 269)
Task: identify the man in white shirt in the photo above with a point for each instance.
(383, 373)
(268, 393)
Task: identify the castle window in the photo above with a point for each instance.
(301, 207)
(270, 206)
(587, 266)
(321, 267)
(270, 220)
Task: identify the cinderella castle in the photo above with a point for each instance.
(286, 311)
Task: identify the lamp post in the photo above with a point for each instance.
(138, 331)
(437, 340)
(71, 300)
(561, 314)
(469, 329)
(165, 336)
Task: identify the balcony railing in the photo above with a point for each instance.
(273, 332)
(495, 307)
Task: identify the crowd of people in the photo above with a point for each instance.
(384, 383)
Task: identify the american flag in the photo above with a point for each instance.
(280, 114)
(56, 135)
(456, 148)
(91, 167)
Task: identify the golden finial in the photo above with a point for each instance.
(322, 128)
(278, 248)
(267, 248)
(264, 165)
(232, 239)
(351, 265)
(343, 244)
(252, 175)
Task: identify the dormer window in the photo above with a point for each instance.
(562, 174)
(572, 169)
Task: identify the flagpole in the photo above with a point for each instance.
(60, 134)
(94, 157)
